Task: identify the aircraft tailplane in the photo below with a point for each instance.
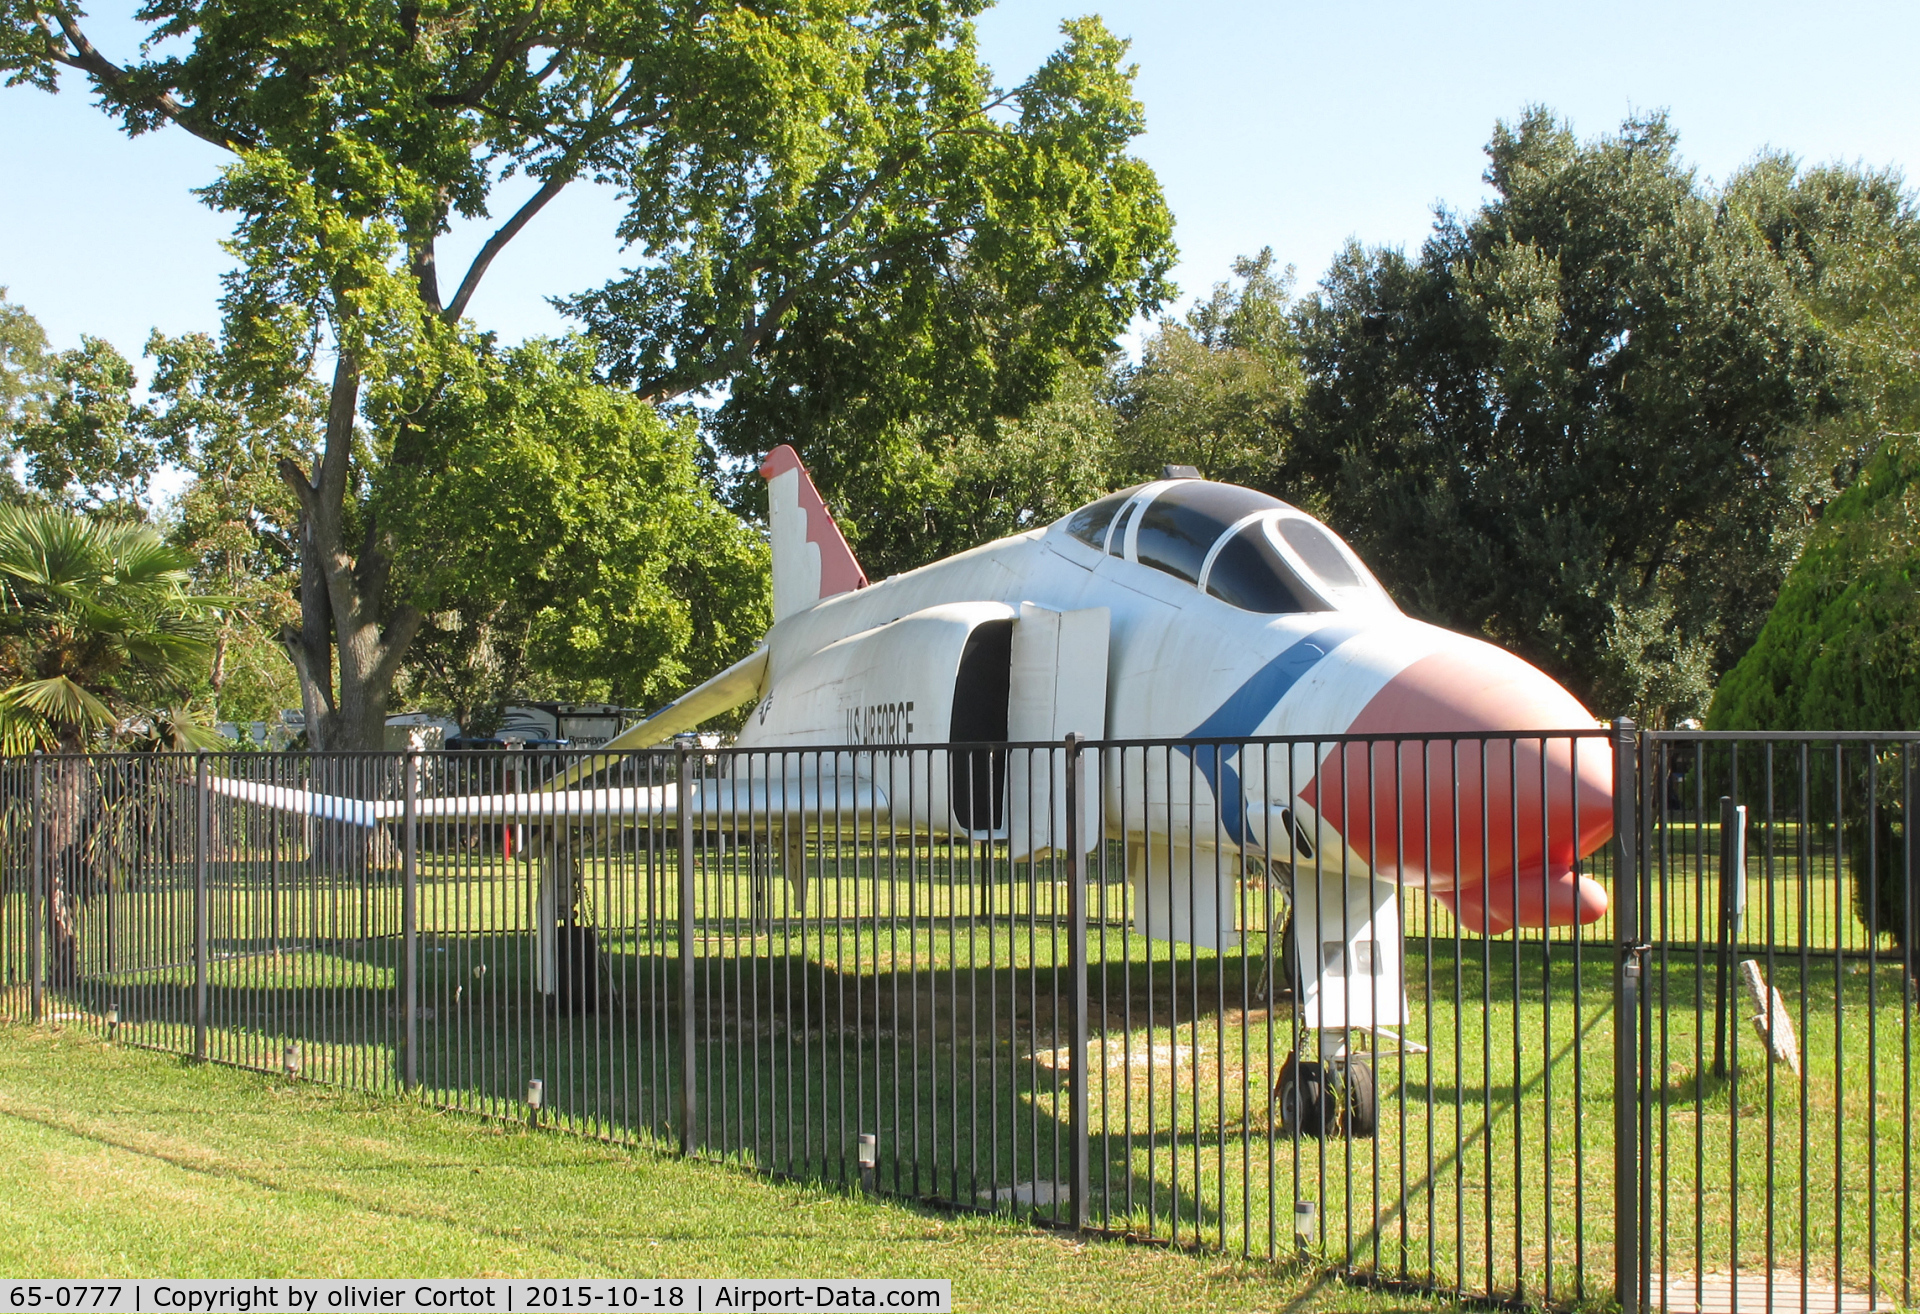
(811, 559)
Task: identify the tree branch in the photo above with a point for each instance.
(395, 638)
(497, 243)
(508, 48)
(113, 80)
(330, 480)
(563, 172)
(296, 479)
(426, 272)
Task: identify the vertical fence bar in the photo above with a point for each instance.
(37, 883)
(689, 1090)
(1626, 1020)
(1723, 960)
(1079, 1070)
(410, 927)
(201, 911)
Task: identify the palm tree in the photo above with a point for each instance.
(97, 627)
(96, 624)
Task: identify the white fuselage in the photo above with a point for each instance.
(1176, 655)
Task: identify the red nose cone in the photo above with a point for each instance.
(1493, 826)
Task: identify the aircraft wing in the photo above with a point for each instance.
(749, 804)
(721, 693)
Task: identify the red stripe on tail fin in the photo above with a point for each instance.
(811, 559)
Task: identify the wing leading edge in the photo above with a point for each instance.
(750, 803)
(739, 683)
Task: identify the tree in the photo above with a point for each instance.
(807, 182)
(1849, 237)
(23, 345)
(99, 632)
(1216, 391)
(1841, 651)
(1019, 475)
(97, 623)
(85, 448)
(71, 415)
(1574, 422)
(561, 540)
(236, 517)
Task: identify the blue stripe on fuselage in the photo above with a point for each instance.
(1243, 711)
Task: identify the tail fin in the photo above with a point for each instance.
(811, 560)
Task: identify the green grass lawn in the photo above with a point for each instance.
(123, 1163)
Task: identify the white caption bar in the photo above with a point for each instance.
(512, 1296)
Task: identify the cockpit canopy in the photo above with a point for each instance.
(1243, 547)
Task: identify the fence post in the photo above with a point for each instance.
(37, 912)
(410, 928)
(1079, 1077)
(201, 911)
(1626, 1019)
(683, 794)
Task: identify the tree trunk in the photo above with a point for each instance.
(351, 639)
(69, 800)
(352, 635)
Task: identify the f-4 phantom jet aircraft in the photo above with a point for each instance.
(1179, 610)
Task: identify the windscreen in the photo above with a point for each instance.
(1181, 525)
(1250, 573)
(1317, 549)
(1117, 539)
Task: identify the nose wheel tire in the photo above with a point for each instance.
(1362, 1110)
(1325, 1098)
(1304, 1099)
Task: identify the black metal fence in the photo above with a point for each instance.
(1057, 979)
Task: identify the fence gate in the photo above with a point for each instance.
(1775, 938)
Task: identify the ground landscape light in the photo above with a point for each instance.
(1306, 1221)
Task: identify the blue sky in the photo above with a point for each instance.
(1287, 125)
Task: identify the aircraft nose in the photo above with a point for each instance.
(1491, 820)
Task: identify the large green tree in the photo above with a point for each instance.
(1574, 423)
(831, 207)
(1215, 389)
(72, 419)
(23, 346)
(1840, 649)
(561, 540)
